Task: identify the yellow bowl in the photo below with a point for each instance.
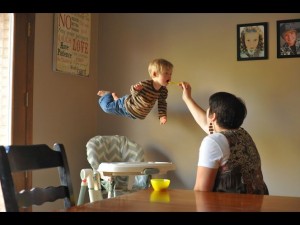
(160, 184)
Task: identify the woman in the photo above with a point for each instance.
(228, 158)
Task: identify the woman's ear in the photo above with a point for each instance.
(213, 117)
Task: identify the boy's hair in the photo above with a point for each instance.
(158, 65)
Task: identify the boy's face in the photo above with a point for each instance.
(164, 77)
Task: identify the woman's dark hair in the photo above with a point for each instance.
(230, 110)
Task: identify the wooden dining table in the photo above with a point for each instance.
(180, 200)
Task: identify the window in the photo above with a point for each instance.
(6, 44)
(16, 70)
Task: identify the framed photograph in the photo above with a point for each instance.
(252, 41)
(71, 47)
(288, 38)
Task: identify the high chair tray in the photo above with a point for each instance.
(134, 168)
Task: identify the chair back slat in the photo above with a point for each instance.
(23, 157)
(38, 196)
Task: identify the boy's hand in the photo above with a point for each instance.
(138, 87)
(163, 120)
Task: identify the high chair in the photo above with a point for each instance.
(118, 167)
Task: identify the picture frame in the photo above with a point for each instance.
(288, 38)
(71, 43)
(252, 41)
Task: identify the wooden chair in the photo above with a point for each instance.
(17, 158)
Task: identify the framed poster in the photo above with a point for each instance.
(252, 41)
(288, 38)
(71, 47)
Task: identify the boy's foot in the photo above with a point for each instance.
(115, 96)
(101, 93)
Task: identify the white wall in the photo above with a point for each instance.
(203, 50)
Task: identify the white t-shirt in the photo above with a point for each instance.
(214, 151)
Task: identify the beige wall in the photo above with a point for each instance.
(203, 50)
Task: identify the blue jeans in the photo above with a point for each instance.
(110, 106)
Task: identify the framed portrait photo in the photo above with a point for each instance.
(288, 38)
(252, 41)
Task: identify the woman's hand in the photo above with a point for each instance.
(186, 91)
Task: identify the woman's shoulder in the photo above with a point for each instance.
(216, 141)
(218, 138)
